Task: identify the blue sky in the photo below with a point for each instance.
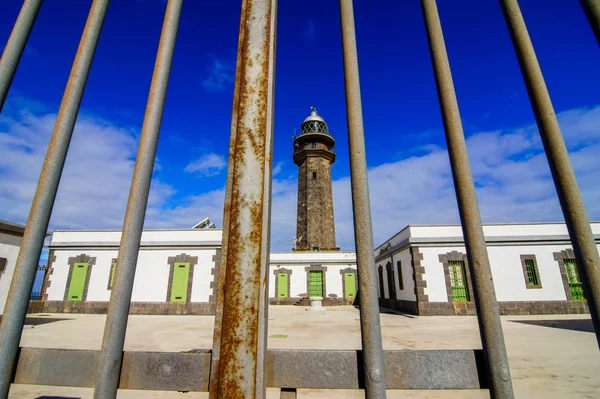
(409, 174)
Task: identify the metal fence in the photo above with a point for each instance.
(239, 364)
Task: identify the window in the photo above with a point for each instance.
(400, 280)
(575, 283)
(314, 175)
(314, 145)
(315, 249)
(531, 272)
(381, 285)
(391, 281)
(3, 262)
(458, 281)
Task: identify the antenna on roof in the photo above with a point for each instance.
(204, 224)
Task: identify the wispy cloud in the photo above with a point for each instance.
(509, 167)
(207, 165)
(219, 73)
(309, 32)
(278, 168)
(95, 183)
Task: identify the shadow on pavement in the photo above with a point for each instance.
(584, 325)
(36, 321)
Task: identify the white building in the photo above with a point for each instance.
(176, 273)
(11, 235)
(423, 270)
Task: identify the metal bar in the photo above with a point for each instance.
(370, 326)
(16, 45)
(111, 356)
(220, 286)
(240, 369)
(45, 194)
(488, 313)
(578, 224)
(592, 11)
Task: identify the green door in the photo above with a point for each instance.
(77, 282)
(179, 287)
(315, 283)
(458, 281)
(282, 285)
(350, 284)
(575, 283)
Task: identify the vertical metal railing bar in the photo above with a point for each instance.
(370, 326)
(569, 195)
(240, 369)
(16, 45)
(43, 200)
(111, 355)
(220, 287)
(592, 11)
(488, 313)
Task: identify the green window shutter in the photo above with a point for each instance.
(113, 268)
(77, 282)
(532, 273)
(315, 283)
(282, 285)
(350, 284)
(400, 279)
(179, 286)
(575, 284)
(458, 281)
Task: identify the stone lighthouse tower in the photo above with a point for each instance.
(314, 154)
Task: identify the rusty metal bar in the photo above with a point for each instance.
(370, 327)
(239, 370)
(578, 224)
(111, 356)
(488, 313)
(219, 290)
(592, 11)
(16, 45)
(45, 194)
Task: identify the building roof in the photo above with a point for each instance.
(10, 228)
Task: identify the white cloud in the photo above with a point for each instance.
(510, 170)
(219, 74)
(207, 165)
(278, 168)
(96, 178)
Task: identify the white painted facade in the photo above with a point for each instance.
(10, 243)
(152, 270)
(505, 243)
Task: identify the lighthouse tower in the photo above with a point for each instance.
(314, 154)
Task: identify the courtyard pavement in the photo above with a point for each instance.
(550, 356)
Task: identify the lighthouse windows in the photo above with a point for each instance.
(314, 175)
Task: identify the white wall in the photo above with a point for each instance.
(434, 272)
(9, 249)
(298, 279)
(507, 271)
(408, 293)
(151, 276)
